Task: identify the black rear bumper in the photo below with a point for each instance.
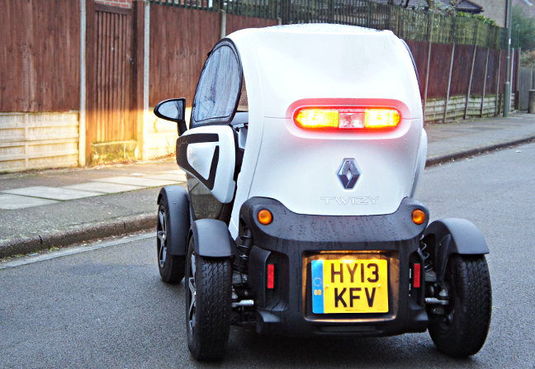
(291, 240)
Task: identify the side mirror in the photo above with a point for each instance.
(173, 110)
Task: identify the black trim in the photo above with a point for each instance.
(453, 236)
(412, 59)
(182, 158)
(292, 239)
(218, 120)
(342, 230)
(181, 123)
(179, 218)
(211, 238)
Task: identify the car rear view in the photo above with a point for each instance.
(314, 229)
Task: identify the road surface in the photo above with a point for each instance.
(106, 308)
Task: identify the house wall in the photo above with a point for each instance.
(494, 9)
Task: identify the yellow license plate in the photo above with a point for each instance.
(349, 286)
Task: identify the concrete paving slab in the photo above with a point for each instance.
(168, 177)
(54, 193)
(103, 187)
(11, 202)
(137, 181)
(176, 172)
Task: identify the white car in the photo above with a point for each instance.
(303, 152)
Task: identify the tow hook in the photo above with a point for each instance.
(442, 300)
(243, 303)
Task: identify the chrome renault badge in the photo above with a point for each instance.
(348, 173)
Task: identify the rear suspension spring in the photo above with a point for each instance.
(244, 248)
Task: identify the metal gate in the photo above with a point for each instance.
(111, 122)
(526, 82)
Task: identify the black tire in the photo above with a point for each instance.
(171, 267)
(208, 286)
(463, 330)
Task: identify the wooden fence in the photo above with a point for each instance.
(77, 77)
(39, 55)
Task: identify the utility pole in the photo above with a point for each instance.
(507, 91)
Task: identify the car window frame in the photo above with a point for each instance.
(222, 120)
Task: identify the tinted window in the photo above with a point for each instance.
(218, 89)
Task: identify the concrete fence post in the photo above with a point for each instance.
(449, 84)
(82, 115)
(469, 90)
(481, 107)
(223, 29)
(428, 64)
(497, 106)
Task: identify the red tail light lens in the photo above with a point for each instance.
(359, 118)
(417, 275)
(270, 280)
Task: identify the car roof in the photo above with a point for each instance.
(284, 64)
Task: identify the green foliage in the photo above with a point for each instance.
(523, 30)
(478, 17)
(527, 59)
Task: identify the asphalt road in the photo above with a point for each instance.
(106, 308)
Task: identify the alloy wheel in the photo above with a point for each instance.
(162, 237)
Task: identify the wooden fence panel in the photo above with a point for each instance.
(237, 22)
(516, 68)
(438, 74)
(112, 72)
(479, 72)
(180, 40)
(503, 70)
(419, 52)
(39, 55)
(492, 71)
(461, 69)
(111, 122)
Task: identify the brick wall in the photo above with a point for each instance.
(120, 3)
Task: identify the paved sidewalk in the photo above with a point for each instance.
(456, 140)
(54, 208)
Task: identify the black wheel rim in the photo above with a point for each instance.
(446, 321)
(192, 293)
(161, 234)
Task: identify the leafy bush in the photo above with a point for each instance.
(523, 30)
(527, 59)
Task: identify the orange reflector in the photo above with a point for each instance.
(417, 275)
(347, 118)
(418, 216)
(264, 216)
(270, 278)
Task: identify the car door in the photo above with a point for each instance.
(207, 151)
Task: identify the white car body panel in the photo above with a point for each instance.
(200, 157)
(299, 168)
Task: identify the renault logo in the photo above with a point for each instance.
(348, 173)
